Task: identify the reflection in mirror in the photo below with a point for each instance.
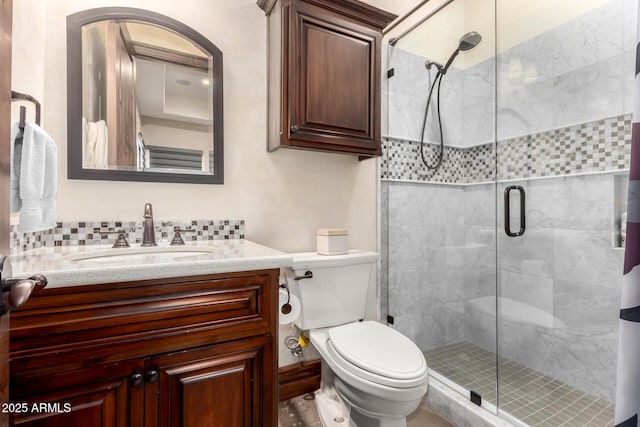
(145, 99)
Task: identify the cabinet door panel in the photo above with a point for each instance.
(337, 91)
(96, 405)
(100, 396)
(333, 82)
(218, 386)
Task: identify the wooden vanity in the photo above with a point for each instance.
(182, 351)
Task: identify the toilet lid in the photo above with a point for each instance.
(373, 348)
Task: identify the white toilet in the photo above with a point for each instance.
(372, 375)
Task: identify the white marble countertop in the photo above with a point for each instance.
(94, 264)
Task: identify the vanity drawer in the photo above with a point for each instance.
(163, 315)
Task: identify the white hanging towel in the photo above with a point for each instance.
(34, 177)
(95, 139)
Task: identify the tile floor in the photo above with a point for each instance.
(301, 412)
(528, 395)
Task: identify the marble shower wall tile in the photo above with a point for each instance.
(590, 38)
(407, 91)
(577, 203)
(462, 93)
(453, 94)
(629, 25)
(478, 105)
(528, 289)
(629, 63)
(585, 310)
(441, 242)
(589, 93)
(596, 373)
(425, 266)
(574, 73)
(573, 274)
(406, 112)
(587, 257)
(525, 110)
(577, 72)
(410, 76)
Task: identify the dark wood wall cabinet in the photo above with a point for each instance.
(324, 75)
(192, 352)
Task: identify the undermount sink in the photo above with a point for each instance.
(143, 254)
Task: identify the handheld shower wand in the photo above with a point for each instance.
(467, 41)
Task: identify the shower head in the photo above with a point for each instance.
(467, 41)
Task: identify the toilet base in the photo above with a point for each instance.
(335, 411)
(332, 409)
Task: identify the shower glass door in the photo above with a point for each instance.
(438, 223)
(563, 101)
(504, 263)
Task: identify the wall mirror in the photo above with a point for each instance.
(145, 99)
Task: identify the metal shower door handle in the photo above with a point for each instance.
(507, 211)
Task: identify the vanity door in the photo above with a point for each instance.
(224, 385)
(109, 395)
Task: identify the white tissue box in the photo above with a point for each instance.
(332, 241)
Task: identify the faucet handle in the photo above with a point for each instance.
(177, 238)
(121, 240)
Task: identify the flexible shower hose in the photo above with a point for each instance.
(438, 80)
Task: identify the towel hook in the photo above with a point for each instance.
(23, 110)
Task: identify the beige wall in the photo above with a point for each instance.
(283, 196)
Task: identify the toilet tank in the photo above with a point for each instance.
(337, 292)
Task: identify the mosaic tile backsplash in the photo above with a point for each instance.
(601, 145)
(71, 233)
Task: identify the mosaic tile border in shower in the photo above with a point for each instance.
(401, 161)
(601, 145)
(72, 233)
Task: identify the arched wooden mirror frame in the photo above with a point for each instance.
(76, 170)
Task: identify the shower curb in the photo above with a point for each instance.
(458, 409)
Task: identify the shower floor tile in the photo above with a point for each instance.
(528, 395)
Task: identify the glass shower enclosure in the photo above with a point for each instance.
(504, 264)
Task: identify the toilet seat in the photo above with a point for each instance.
(377, 353)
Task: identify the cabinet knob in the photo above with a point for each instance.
(294, 129)
(151, 376)
(136, 380)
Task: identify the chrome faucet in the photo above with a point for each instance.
(149, 231)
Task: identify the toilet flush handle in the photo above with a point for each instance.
(307, 275)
